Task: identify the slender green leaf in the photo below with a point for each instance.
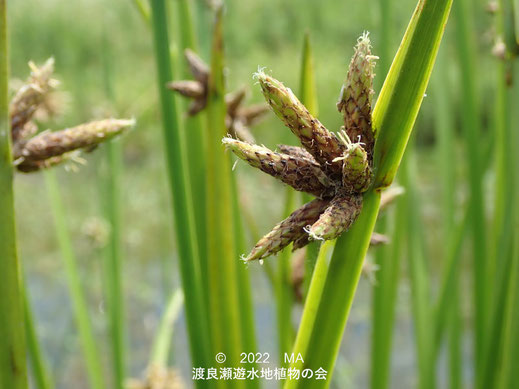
(308, 97)
(472, 132)
(180, 191)
(284, 291)
(194, 128)
(419, 279)
(387, 258)
(163, 337)
(246, 307)
(40, 371)
(77, 294)
(113, 255)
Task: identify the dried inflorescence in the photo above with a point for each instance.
(35, 152)
(335, 168)
(157, 377)
(238, 119)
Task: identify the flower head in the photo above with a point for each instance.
(335, 168)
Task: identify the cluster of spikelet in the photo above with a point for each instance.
(238, 120)
(335, 168)
(34, 151)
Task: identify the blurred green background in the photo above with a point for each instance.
(265, 33)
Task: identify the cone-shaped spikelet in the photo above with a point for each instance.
(51, 144)
(29, 97)
(290, 229)
(338, 217)
(356, 96)
(300, 173)
(356, 170)
(315, 138)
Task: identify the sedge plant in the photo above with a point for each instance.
(340, 175)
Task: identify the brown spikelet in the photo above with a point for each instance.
(316, 139)
(253, 113)
(187, 88)
(357, 94)
(51, 144)
(288, 230)
(197, 66)
(30, 96)
(343, 210)
(301, 242)
(233, 101)
(301, 174)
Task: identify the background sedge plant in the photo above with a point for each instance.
(41, 151)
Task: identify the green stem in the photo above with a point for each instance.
(79, 304)
(317, 285)
(308, 97)
(163, 337)
(113, 256)
(180, 191)
(472, 133)
(13, 372)
(388, 260)
(246, 305)
(333, 290)
(284, 291)
(41, 373)
(194, 129)
(420, 283)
